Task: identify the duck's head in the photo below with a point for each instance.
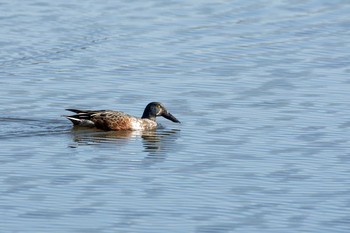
(155, 109)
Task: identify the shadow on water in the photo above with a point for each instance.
(155, 143)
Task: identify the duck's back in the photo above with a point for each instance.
(115, 120)
(112, 120)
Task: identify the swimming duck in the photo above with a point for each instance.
(116, 120)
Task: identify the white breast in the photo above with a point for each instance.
(144, 124)
(137, 125)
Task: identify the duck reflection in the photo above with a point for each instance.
(156, 143)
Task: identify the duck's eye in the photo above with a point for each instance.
(158, 106)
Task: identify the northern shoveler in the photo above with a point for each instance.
(115, 120)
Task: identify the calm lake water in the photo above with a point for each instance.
(261, 88)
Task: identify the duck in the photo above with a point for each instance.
(110, 120)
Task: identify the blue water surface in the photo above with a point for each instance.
(261, 88)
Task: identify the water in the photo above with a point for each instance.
(260, 86)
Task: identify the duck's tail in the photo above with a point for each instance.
(82, 118)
